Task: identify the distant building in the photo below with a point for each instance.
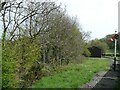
(95, 51)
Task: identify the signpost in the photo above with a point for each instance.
(116, 37)
(114, 64)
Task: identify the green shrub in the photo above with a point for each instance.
(9, 79)
(21, 63)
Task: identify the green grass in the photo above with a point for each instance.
(73, 75)
(112, 57)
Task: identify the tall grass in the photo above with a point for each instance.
(73, 75)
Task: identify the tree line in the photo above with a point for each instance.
(111, 44)
(37, 36)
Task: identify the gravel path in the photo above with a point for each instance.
(103, 79)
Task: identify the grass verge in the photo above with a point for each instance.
(73, 75)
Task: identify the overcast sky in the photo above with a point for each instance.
(98, 16)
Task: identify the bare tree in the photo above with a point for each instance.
(14, 16)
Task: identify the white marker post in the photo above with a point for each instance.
(115, 53)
